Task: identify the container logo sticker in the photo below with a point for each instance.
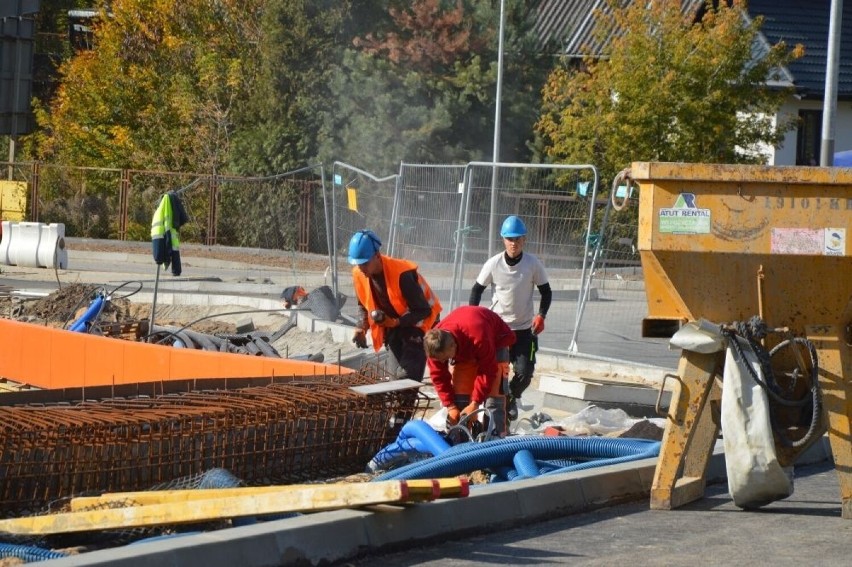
(835, 242)
(685, 217)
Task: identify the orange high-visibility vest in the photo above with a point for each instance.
(465, 373)
(392, 269)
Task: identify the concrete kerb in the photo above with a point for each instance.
(324, 537)
(334, 536)
(258, 274)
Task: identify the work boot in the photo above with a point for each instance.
(512, 409)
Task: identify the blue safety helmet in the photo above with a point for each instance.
(363, 245)
(513, 227)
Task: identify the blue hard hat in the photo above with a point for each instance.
(363, 245)
(513, 227)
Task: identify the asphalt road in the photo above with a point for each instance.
(804, 529)
(610, 327)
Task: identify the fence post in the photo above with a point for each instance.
(304, 215)
(34, 192)
(123, 198)
(211, 218)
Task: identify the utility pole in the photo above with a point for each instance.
(495, 156)
(826, 154)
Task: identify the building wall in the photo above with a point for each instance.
(786, 154)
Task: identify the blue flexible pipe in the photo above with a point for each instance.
(525, 463)
(469, 457)
(430, 439)
(416, 436)
(95, 307)
(28, 553)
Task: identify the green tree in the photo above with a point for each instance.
(158, 91)
(302, 41)
(421, 88)
(669, 89)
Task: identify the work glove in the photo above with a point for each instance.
(388, 323)
(470, 408)
(360, 338)
(538, 324)
(453, 415)
(382, 320)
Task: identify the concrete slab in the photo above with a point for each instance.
(572, 392)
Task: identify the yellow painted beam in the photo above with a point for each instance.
(306, 498)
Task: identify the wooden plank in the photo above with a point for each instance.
(384, 387)
(312, 498)
(418, 490)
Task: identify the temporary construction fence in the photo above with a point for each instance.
(427, 205)
(359, 200)
(446, 217)
(557, 204)
(615, 292)
(278, 212)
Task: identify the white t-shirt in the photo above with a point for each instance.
(514, 287)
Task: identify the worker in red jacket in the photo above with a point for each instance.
(475, 342)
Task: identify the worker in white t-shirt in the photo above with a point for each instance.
(514, 276)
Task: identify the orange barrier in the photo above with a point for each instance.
(55, 358)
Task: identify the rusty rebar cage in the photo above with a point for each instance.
(279, 433)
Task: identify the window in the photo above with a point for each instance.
(809, 137)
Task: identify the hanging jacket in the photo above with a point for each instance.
(165, 239)
(392, 269)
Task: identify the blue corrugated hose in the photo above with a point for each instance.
(499, 454)
(28, 553)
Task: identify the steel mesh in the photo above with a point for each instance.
(276, 434)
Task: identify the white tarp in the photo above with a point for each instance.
(755, 477)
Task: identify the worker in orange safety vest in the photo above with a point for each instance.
(395, 304)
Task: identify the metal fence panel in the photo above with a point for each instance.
(429, 201)
(556, 203)
(359, 200)
(85, 199)
(616, 292)
(280, 212)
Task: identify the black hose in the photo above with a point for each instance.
(752, 332)
(206, 342)
(814, 396)
(265, 347)
(131, 294)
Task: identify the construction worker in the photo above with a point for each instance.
(394, 302)
(476, 342)
(514, 276)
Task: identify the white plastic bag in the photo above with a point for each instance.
(438, 420)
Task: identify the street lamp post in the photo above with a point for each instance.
(495, 156)
(826, 154)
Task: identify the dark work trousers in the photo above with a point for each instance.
(406, 346)
(522, 355)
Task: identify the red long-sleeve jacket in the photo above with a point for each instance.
(478, 333)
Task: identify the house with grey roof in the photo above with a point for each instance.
(566, 28)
